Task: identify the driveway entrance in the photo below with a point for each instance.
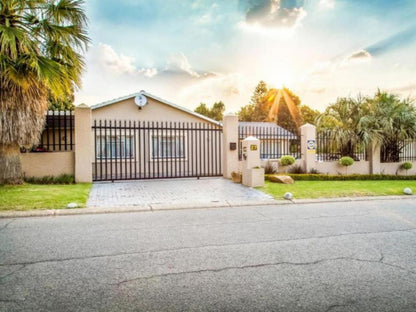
(177, 193)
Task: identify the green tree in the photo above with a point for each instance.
(308, 114)
(41, 46)
(289, 101)
(344, 122)
(203, 110)
(216, 112)
(63, 104)
(257, 109)
(392, 121)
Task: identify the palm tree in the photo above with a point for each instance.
(343, 121)
(41, 46)
(394, 122)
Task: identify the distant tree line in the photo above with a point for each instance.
(215, 112)
(263, 107)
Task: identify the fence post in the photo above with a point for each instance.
(84, 144)
(308, 146)
(374, 157)
(230, 144)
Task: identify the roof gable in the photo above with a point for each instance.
(170, 104)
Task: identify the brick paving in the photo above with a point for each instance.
(174, 193)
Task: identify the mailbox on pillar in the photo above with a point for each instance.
(253, 174)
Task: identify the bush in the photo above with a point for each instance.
(287, 160)
(346, 161)
(314, 171)
(269, 168)
(296, 169)
(406, 165)
(61, 179)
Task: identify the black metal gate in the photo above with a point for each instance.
(128, 150)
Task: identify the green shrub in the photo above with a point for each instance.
(61, 179)
(346, 161)
(296, 169)
(351, 177)
(406, 165)
(269, 168)
(287, 160)
(314, 171)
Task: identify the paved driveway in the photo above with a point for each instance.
(174, 193)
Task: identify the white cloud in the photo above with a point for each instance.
(114, 62)
(359, 57)
(148, 72)
(178, 62)
(327, 4)
(362, 54)
(233, 89)
(271, 14)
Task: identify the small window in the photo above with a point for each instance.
(168, 147)
(114, 147)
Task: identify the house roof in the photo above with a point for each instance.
(264, 130)
(185, 110)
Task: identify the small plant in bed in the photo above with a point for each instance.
(61, 179)
(346, 161)
(286, 161)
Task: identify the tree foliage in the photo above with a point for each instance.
(216, 112)
(41, 46)
(383, 118)
(308, 114)
(393, 121)
(262, 107)
(258, 108)
(63, 104)
(344, 120)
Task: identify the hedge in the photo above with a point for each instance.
(350, 177)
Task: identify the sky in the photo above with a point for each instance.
(188, 52)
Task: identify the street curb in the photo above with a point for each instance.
(185, 206)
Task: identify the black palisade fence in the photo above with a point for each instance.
(328, 150)
(397, 151)
(58, 133)
(275, 141)
(127, 150)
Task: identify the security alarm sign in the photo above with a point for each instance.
(311, 146)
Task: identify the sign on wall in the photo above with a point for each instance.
(311, 146)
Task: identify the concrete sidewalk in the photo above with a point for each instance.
(150, 208)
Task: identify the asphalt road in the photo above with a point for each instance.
(353, 256)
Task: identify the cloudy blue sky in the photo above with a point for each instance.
(189, 52)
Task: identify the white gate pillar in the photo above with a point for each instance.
(308, 146)
(230, 145)
(84, 144)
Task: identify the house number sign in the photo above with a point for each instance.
(253, 147)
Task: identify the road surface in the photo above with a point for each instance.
(345, 256)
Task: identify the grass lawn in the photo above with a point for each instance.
(331, 189)
(41, 196)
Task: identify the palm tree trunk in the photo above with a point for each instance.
(10, 165)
